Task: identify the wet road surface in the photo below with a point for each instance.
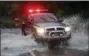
(57, 52)
(14, 44)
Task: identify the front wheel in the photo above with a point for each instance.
(69, 37)
(65, 43)
(51, 46)
(37, 40)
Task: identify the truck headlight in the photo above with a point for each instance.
(67, 28)
(40, 30)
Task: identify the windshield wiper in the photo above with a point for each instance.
(47, 20)
(51, 17)
(44, 19)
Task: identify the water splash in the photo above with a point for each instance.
(79, 32)
(13, 43)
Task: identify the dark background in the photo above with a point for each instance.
(11, 9)
(66, 7)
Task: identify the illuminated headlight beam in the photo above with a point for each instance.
(67, 28)
(40, 31)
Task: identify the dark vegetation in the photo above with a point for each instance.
(61, 8)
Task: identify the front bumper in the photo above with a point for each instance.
(50, 38)
(54, 35)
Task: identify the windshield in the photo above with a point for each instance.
(43, 18)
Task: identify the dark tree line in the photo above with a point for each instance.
(61, 7)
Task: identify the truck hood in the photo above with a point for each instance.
(50, 24)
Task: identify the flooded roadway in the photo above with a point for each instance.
(14, 44)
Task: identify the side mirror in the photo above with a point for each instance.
(60, 20)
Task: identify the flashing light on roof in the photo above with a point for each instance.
(38, 10)
(30, 10)
(16, 18)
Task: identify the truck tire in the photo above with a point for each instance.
(51, 46)
(69, 37)
(37, 41)
(65, 43)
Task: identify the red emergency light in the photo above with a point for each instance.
(38, 10)
(30, 11)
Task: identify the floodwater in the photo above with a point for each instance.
(14, 44)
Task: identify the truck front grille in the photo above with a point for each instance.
(60, 28)
(55, 31)
(50, 29)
